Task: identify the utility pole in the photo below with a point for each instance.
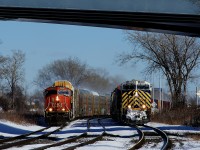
(153, 87)
(160, 92)
(197, 94)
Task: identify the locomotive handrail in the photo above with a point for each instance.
(47, 106)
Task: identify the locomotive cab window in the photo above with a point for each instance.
(128, 87)
(143, 87)
(50, 92)
(64, 92)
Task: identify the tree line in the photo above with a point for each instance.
(79, 74)
(177, 57)
(14, 93)
(11, 79)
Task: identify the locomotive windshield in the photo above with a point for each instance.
(133, 86)
(50, 92)
(64, 92)
(143, 87)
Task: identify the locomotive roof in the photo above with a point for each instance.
(144, 84)
(138, 82)
(56, 88)
(63, 83)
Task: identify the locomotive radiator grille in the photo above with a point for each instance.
(129, 98)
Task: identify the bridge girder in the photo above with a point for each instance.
(184, 24)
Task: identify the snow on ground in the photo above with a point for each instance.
(128, 138)
(10, 129)
(179, 129)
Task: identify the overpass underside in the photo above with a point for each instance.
(184, 24)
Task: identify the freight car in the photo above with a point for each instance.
(131, 102)
(63, 102)
(88, 103)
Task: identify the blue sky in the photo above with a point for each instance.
(43, 43)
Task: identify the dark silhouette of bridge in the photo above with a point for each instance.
(166, 16)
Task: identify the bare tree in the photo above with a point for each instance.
(71, 69)
(100, 81)
(45, 77)
(13, 72)
(176, 56)
(78, 73)
(2, 60)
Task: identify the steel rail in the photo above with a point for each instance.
(85, 143)
(22, 136)
(66, 141)
(141, 140)
(99, 137)
(163, 135)
(23, 142)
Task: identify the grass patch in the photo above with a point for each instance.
(178, 116)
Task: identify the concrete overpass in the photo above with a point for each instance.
(168, 16)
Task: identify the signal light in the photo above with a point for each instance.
(136, 94)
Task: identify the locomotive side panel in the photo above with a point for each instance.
(116, 104)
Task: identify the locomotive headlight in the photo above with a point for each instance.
(57, 98)
(63, 109)
(129, 106)
(143, 106)
(50, 109)
(136, 94)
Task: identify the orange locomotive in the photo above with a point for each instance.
(59, 102)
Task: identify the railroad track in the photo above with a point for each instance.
(163, 135)
(97, 138)
(74, 139)
(141, 140)
(27, 141)
(85, 135)
(22, 136)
